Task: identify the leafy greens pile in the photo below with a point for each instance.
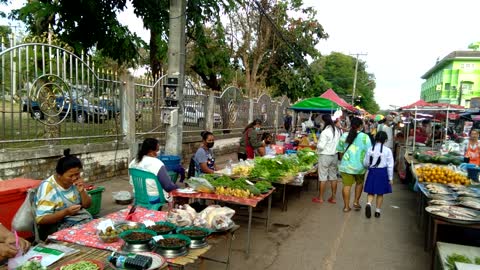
(272, 169)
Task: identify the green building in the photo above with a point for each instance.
(455, 79)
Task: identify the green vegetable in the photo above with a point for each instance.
(222, 181)
(451, 259)
(32, 265)
(263, 186)
(81, 265)
(477, 260)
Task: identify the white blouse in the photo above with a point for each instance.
(385, 162)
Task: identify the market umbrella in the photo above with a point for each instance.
(316, 104)
(378, 117)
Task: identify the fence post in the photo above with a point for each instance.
(127, 105)
(209, 111)
(250, 111)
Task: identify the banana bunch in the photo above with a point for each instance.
(242, 170)
(233, 192)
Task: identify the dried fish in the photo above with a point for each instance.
(442, 202)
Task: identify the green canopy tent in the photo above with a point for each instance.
(315, 104)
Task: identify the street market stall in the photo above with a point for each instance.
(416, 112)
(140, 233)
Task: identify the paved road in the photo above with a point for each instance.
(312, 236)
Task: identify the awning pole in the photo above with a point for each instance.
(433, 136)
(446, 124)
(415, 129)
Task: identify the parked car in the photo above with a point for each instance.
(80, 109)
(193, 116)
(33, 108)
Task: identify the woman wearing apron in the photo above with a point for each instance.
(250, 140)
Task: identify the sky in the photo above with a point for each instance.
(401, 39)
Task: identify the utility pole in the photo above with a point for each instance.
(355, 75)
(176, 74)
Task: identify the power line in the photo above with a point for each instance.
(280, 34)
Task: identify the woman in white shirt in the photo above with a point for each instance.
(327, 159)
(147, 160)
(379, 161)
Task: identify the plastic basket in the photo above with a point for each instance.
(96, 195)
(473, 173)
(173, 176)
(170, 161)
(289, 152)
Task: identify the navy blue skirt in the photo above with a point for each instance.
(377, 182)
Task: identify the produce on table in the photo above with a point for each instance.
(242, 170)
(32, 265)
(200, 184)
(222, 181)
(233, 192)
(307, 158)
(109, 236)
(442, 175)
(434, 157)
(477, 260)
(455, 257)
(81, 265)
(263, 186)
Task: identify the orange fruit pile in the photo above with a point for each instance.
(442, 175)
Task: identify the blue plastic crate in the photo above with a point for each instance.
(170, 161)
(290, 152)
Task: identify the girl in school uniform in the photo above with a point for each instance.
(379, 161)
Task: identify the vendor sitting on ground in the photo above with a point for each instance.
(8, 244)
(61, 200)
(147, 160)
(266, 149)
(204, 159)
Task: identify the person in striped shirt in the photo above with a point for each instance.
(61, 199)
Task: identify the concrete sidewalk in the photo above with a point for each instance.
(320, 236)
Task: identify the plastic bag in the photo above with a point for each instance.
(179, 217)
(215, 217)
(24, 219)
(122, 195)
(200, 184)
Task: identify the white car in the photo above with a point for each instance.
(193, 116)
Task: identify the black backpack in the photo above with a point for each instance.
(191, 168)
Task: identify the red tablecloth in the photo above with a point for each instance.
(85, 234)
(253, 201)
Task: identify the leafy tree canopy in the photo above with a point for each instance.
(83, 24)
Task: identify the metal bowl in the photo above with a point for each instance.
(124, 234)
(128, 225)
(164, 223)
(207, 232)
(178, 236)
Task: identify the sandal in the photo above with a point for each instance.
(346, 210)
(357, 206)
(332, 200)
(317, 200)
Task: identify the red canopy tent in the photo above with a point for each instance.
(331, 95)
(438, 109)
(425, 106)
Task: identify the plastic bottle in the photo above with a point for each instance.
(136, 262)
(228, 167)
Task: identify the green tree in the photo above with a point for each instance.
(338, 70)
(271, 44)
(85, 25)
